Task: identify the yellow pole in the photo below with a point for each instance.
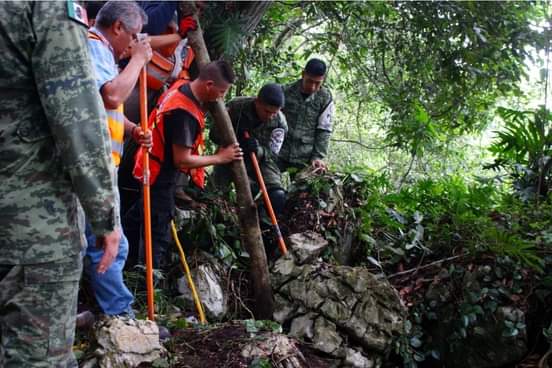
(184, 263)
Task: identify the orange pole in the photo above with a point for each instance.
(267, 202)
(146, 193)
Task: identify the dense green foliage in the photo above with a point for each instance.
(420, 87)
(524, 147)
(424, 71)
(460, 253)
(410, 79)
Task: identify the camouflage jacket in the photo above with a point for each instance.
(310, 124)
(54, 143)
(270, 135)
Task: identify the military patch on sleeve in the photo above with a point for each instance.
(325, 119)
(276, 140)
(77, 13)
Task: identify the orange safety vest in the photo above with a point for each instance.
(115, 117)
(171, 100)
(161, 69)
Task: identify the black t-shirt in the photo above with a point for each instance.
(181, 128)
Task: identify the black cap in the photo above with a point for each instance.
(272, 94)
(316, 67)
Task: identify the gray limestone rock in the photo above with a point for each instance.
(354, 358)
(306, 246)
(125, 342)
(210, 287)
(303, 326)
(343, 311)
(326, 338)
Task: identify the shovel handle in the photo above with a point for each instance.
(143, 89)
(268, 204)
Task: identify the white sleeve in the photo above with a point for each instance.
(276, 140)
(325, 119)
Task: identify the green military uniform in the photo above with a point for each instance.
(54, 154)
(310, 126)
(270, 136)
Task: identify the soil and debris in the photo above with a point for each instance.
(221, 346)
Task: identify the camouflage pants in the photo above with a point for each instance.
(38, 306)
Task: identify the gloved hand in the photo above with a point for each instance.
(186, 24)
(249, 145)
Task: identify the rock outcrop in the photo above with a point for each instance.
(124, 342)
(343, 311)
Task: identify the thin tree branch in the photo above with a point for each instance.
(359, 107)
(425, 266)
(383, 68)
(360, 144)
(412, 159)
(288, 29)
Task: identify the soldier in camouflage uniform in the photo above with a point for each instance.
(309, 111)
(54, 153)
(261, 117)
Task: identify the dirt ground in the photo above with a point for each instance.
(220, 347)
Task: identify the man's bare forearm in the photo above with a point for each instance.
(116, 92)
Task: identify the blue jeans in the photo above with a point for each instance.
(110, 290)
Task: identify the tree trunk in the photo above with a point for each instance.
(254, 12)
(247, 211)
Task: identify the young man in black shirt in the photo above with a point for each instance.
(177, 144)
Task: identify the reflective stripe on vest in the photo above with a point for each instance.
(116, 124)
(115, 117)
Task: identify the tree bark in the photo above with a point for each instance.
(247, 210)
(254, 12)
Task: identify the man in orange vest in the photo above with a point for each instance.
(177, 125)
(172, 59)
(116, 26)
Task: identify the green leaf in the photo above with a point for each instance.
(510, 332)
(250, 326)
(260, 362)
(367, 239)
(435, 354)
(465, 320)
(419, 357)
(421, 114)
(415, 342)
